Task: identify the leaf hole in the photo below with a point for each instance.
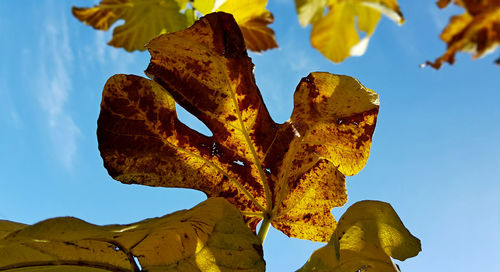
(137, 263)
(268, 170)
(364, 268)
(295, 131)
(215, 150)
(239, 162)
(192, 121)
(117, 248)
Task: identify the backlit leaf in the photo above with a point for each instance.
(366, 237)
(6, 227)
(207, 6)
(310, 11)
(144, 20)
(182, 3)
(292, 173)
(253, 18)
(336, 34)
(210, 237)
(476, 31)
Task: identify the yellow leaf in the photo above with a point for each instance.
(291, 174)
(182, 3)
(389, 8)
(366, 237)
(207, 6)
(336, 35)
(209, 237)
(6, 227)
(253, 18)
(309, 11)
(476, 31)
(144, 20)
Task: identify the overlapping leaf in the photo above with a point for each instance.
(476, 31)
(209, 237)
(336, 34)
(291, 173)
(144, 20)
(252, 17)
(367, 236)
(310, 11)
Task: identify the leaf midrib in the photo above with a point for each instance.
(243, 130)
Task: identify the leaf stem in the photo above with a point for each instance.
(264, 228)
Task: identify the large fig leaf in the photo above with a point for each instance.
(144, 20)
(367, 236)
(210, 237)
(335, 34)
(291, 174)
(476, 31)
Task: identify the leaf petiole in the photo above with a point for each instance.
(264, 228)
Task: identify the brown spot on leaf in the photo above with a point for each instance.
(142, 141)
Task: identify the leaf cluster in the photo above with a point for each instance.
(340, 28)
(146, 19)
(252, 169)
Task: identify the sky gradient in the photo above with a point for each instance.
(435, 155)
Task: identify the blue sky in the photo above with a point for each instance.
(435, 155)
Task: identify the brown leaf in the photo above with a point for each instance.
(258, 36)
(476, 31)
(291, 172)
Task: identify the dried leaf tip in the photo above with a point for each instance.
(475, 31)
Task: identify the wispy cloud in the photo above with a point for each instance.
(54, 83)
(8, 111)
(439, 18)
(105, 56)
(299, 60)
(100, 46)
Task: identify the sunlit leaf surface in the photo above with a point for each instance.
(476, 31)
(144, 20)
(252, 17)
(367, 236)
(310, 11)
(337, 34)
(291, 173)
(209, 237)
